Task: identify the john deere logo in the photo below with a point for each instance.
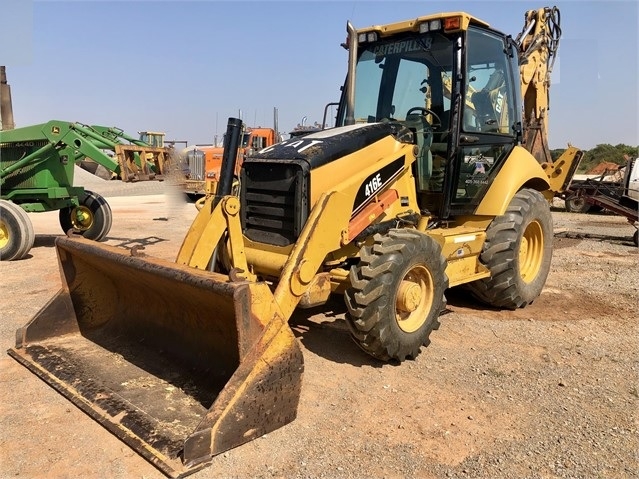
(55, 130)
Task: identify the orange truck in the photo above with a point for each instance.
(204, 161)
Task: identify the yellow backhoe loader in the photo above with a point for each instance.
(431, 179)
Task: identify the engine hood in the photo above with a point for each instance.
(320, 148)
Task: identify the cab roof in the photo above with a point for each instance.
(413, 24)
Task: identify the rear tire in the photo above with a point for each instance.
(16, 232)
(396, 294)
(518, 252)
(92, 218)
(577, 204)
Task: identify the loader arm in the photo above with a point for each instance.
(72, 142)
(206, 233)
(116, 135)
(321, 235)
(134, 160)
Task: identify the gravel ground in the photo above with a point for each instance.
(548, 391)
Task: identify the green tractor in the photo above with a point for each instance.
(37, 165)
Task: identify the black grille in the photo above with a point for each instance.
(25, 177)
(274, 200)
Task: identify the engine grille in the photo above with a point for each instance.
(274, 200)
(36, 174)
(196, 162)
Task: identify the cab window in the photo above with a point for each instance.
(489, 94)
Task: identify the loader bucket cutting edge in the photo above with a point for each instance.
(178, 363)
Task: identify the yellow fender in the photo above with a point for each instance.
(520, 170)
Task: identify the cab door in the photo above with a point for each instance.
(490, 118)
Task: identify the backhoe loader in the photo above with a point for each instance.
(435, 176)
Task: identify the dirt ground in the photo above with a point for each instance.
(547, 391)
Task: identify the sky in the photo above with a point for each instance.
(185, 67)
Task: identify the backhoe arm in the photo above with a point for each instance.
(538, 43)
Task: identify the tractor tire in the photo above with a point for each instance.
(29, 233)
(518, 252)
(92, 218)
(396, 294)
(577, 204)
(16, 232)
(635, 238)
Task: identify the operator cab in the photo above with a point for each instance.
(454, 83)
(153, 138)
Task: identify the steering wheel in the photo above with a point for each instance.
(425, 111)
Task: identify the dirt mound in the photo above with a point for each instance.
(603, 167)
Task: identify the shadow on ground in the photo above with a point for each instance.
(323, 331)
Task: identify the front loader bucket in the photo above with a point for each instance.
(180, 364)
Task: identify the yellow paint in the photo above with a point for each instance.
(520, 169)
(413, 25)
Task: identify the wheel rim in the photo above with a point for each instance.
(81, 218)
(577, 203)
(414, 299)
(4, 234)
(531, 252)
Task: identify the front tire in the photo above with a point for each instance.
(16, 232)
(92, 217)
(396, 294)
(518, 252)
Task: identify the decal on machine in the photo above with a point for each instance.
(298, 145)
(376, 183)
(499, 102)
(405, 46)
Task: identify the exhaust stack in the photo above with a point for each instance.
(6, 109)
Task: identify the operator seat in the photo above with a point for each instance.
(488, 102)
(424, 139)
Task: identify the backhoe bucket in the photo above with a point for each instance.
(180, 364)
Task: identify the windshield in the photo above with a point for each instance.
(396, 76)
(153, 139)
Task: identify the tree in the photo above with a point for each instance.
(555, 154)
(607, 153)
